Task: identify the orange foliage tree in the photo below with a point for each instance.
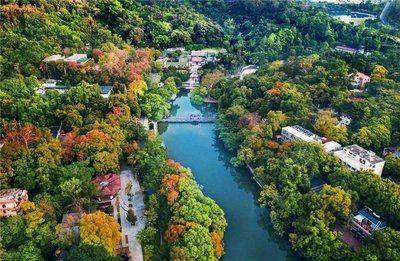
(217, 244)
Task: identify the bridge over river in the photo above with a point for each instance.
(190, 119)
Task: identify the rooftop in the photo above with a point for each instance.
(301, 133)
(346, 48)
(362, 76)
(364, 154)
(71, 219)
(10, 195)
(197, 59)
(105, 89)
(391, 150)
(78, 57)
(108, 184)
(53, 58)
(373, 220)
(199, 53)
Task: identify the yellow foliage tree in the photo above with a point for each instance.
(379, 72)
(329, 126)
(100, 229)
(137, 87)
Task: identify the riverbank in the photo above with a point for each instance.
(250, 235)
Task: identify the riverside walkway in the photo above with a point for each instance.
(190, 119)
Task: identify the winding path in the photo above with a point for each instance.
(137, 204)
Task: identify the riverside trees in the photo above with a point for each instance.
(253, 110)
(178, 209)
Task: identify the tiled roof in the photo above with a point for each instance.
(108, 184)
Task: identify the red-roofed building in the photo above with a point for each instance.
(108, 186)
(360, 79)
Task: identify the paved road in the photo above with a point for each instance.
(386, 9)
(137, 203)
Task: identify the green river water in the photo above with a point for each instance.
(249, 235)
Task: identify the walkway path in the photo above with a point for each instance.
(137, 204)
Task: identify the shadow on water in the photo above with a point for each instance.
(241, 177)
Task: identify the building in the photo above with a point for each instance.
(250, 69)
(108, 186)
(79, 58)
(197, 61)
(54, 58)
(70, 224)
(11, 201)
(200, 53)
(330, 146)
(359, 80)
(299, 133)
(386, 151)
(52, 84)
(345, 119)
(366, 222)
(105, 91)
(358, 159)
(200, 58)
(174, 49)
(347, 49)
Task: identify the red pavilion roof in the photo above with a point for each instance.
(108, 184)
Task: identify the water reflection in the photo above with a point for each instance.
(250, 235)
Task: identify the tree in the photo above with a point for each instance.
(379, 72)
(104, 162)
(392, 166)
(154, 106)
(329, 127)
(316, 240)
(87, 252)
(195, 243)
(375, 136)
(211, 78)
(100, 229)
(131, 217)
(383, 246)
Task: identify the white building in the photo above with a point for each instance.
(105, 91)
(299, 133)
(358, 159)
(53, 58)
(52, 84)
(345, 119)
(80, 58)
(250, 69)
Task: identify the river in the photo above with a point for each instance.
(249, 235)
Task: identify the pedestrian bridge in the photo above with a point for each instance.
(189, 119)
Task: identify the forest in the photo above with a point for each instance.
(301, 80)
(97, 134)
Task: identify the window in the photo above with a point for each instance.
(4, 206)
